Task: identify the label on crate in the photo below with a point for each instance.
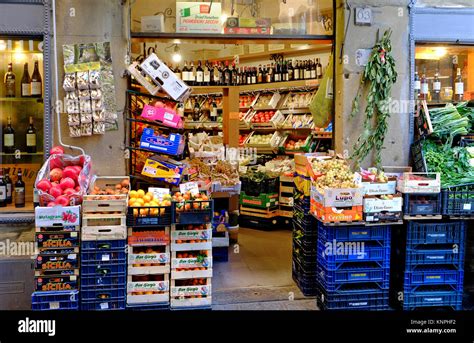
(158, 192)
(338, 197)
(54, 305)
(104, 306)
(56, 262)
(185, 291)
(57, 215)
(148, 286)
(466, 207)
(191, 234)
(105, 257)
(373, 188)
(372, 205)
(159, 258)
(191, 262)
(57, 240)
(56, 283)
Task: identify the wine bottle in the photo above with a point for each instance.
(178, 72)
(227, 74)
(196, 111)
(199, 74)
(458, 86)
(19, 191)
(31, 137)
(3, 190)
(424, 86)
(221, 74)
(296, 71)
(26, 82)
(260, 74)
(192, 75)
(319, 69)
(213, 115)
(216, 77)
(277, 73)
(313, 73)
(184, 73)
(9, 138)
(8, 182)
(235, 75)
(10, 82)
(36, 83)
(417, 85)
(207, 74)
(436, 86)
(291, 71)
(285, 71)
(254, 76)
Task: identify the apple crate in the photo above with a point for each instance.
(197, 266)
(306, 147)
(191, 293)
(58, 218)
(148, 260)
(106, 203)
(198, 238)
(276, 119)
(419, 183)
(147, 289)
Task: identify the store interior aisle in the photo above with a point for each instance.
(258, 274)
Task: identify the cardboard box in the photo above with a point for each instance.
(333, 214)
(56, 283)
(57, 240)
(248, 31)
(255, 22)
(57, 262)
(198, 17)
(153, 23)
(261, 201)
(375, 204)
(165, 78)
(173, 145)
(379, 188)
(338, 197)
(165, 116)
(58, 216)
(163, 169)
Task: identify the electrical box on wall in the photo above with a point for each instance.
(363, 16)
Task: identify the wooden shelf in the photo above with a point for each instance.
(258, 86)
(40, 100)
(40, 153)
(11, 209)
(205, 38)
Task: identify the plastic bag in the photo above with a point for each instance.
(62, 161)
(321, 106)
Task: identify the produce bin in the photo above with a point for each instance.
(149, 216)
(193, 212)
(458, 200)
(261, 201)
(59, 300)
(422, 204)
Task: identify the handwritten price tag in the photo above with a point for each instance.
(189, 187)
(159, 192)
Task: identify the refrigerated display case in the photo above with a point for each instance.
(25, 129)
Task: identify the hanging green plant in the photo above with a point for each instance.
(378, 77)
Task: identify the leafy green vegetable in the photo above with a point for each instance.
(448, 122)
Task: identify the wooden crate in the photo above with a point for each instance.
(256, 212)
(190, 296)
(184, 268)
(106, 203)
(155, 263)
(147, 292)
(191, 302)
(153, 237)
(95, 233)
(185, 240)
(108, 220)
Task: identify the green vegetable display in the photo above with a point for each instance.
(452, 163)
(448, 122)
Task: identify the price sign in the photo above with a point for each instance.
(189, 187)
(159, 192)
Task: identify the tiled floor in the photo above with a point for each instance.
(258, 274)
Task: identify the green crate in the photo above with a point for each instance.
(264, 200)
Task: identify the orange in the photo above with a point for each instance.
(148, 198)
(186, 197)
(140, 193)
(150, 194)
(140, 201)
(143, 211)
(196, 205)
(187, 207)
(133, 194)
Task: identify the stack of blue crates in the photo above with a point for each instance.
(104, 275)
(434, 264)
(304, 247)
(353, 267)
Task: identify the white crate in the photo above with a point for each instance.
(190, 291)
(161, 261)
(191, 246)
(163, 287)
(109, 220)
(105, 203)
(221, 241)
(430, 183)
(95, 233)
(192, 302)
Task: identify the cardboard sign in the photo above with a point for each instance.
(57, 215)
(192, 187)
(198, 17)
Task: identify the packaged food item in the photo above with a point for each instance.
(69, 83)
(98, 128)
(72, 106)
(85, 106)
(73, 119)
(82, 79)
(75, 131)
(86, 129)
(96, 94)
(97, 105)
(73, 95)
(86, 117)
(98, 115)
(84, 94)
(94, 78)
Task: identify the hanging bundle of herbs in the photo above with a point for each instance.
(379, 76)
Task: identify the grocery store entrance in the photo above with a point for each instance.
(257, 275)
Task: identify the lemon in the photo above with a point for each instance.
(140, 193)
(133, 194)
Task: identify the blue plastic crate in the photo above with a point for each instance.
(60, 300)
(103, 293)
(432, 297)
(334, 280)
(434, 275)
(308, 258)
(422, 204)
(375, 301)
(354, 288)
(193, 216)
(309, 246)
(306, 281)
(370, 251)
(308, 230)
(304, 218)
(102, 278)
(103, 245)
(436, 232)
(354, 233)
(103, 257)
(104, 305)
(458, 200)
(435, 254)
(150, 216)
(112, 267)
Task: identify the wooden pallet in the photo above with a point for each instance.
(157, 263)
(422, 217)
(261, 213)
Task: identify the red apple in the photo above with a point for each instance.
(62, 200)
(44, 185)
(56, 174)
(66, 183)
(55, 163)
(77, 189)
(70, 172)
(55, 191)
(78, 169)
(69, 191)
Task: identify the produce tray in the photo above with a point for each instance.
(418, 157)
(334, 280)
(56, 283)
(306, 231)
(458, 200)
(273, 123)
(306, 147)
(255, 188)
(57, 240)
(112, 267)
(298, 121)
(376, 301)
(200, 215)
(435, 254)
(355, 288)
(304, 279)
(432, 296)
(263, 200)
(103, 257)
(431, 275)
(453, 232)
(149, 216)
(103, 233)
(103, 304)
(354, 233)
(422, 204)
(60, 300)
(103, 276)
(270, 147)
(105, 203)
(370, 252)
(57, 262)
(103, 293)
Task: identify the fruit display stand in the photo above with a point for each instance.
(191, 249)
(57, 231)
(263, 143)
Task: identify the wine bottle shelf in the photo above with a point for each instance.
(40, 100)
(23, 154)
